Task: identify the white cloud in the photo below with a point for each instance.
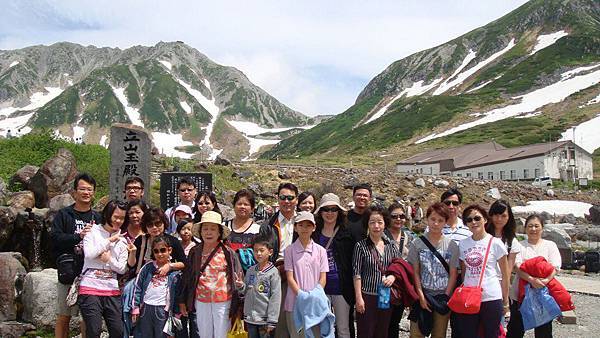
(314, 56)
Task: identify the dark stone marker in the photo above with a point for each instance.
(130, 156)
(168, 186)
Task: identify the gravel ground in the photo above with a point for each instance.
(588, 321)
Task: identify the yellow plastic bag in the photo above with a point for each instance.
(237, 330)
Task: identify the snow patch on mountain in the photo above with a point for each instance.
(585, 134)
(528, 115)
(12, 64)
(132, 113)
(530, 102)
(578, 70)
(449, 83)
(256, 144)
(547, 40)
(167, 64)
(592, 101)
(417, 88)
(167, 142)
(103, 141)
(16, 123)
(253, 129)
(483, 84)
(555, 207)
(78, 132)
(186, 107)
(213, 110)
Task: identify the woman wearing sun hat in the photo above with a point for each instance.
(208, 279)
(331, 233)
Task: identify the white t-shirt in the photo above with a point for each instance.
(544, 248)
(515, 248)
(156, 293)
(472, 253)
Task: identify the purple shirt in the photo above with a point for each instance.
(307, 265)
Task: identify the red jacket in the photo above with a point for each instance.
(404, 285)
(540, 268)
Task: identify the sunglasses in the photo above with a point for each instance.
(454, 203)
(333, 209)
(287, 197)
(398, 216)
(471, 219)
(161, 250)
(188, 190)
(154, 225)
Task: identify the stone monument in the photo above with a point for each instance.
(130, 155)
(168, 186)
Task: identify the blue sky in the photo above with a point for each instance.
(314, 56)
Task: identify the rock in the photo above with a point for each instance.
(13, 329)
(101, 203)
(55, 177)
(595, 214)
(23, 176)
(201, 166)
(226, 211)
(222, 160)
(494, 193)
(441, 184)
(557, 234)
(12, 270)
(3, 191)
(420, 182)
(550, 192)
(283, 175)
(60, 201)
(39, 298)
(548, 218)
(242, 174)
(21, 200)
(570, 218)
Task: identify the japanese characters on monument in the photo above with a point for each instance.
(130, 155)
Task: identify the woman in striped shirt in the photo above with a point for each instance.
(371, 257)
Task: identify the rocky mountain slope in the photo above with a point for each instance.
(190, 103)
(524, 78)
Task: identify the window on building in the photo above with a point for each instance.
(490, 175)
(513, 174)
(572, 153)
(480, 175)
(468, 174)
(526, 173)
(502, 175)
(537, 172)
(459, 175)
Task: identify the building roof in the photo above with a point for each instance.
(479, 154)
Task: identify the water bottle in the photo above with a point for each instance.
(383, 297)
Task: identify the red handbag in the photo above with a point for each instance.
(467, 299)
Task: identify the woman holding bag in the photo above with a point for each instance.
(479, 255)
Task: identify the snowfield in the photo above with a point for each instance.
(12, 64)
(530, 102)
(132, 113)
(166, 144)
(13, 124)
(166, 64)
(449, 83)
(546, 40)
(253, 129)
(586, 134)
(417, 88)
(555, 207)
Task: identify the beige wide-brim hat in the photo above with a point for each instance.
(330, 199)
(213, 218)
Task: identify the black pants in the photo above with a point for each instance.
(95, 308)
(190, 329)
(394, 328)
(489, 317)
(515, 325)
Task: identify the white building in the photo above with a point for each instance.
(560, 160)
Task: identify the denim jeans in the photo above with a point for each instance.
(259, 331)
(151, 322)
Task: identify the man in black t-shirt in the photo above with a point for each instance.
(361, 195)
(71, 224)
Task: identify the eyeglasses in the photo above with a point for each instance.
(186, 189)
(161, 250)
(471, 219)
(333, 209)
(454, 203)
(287, 197)
(398, 216)
(362, 195)
(133, 188)
(154, 225)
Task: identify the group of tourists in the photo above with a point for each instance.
(314, 268)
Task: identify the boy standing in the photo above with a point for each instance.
(262, 290)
